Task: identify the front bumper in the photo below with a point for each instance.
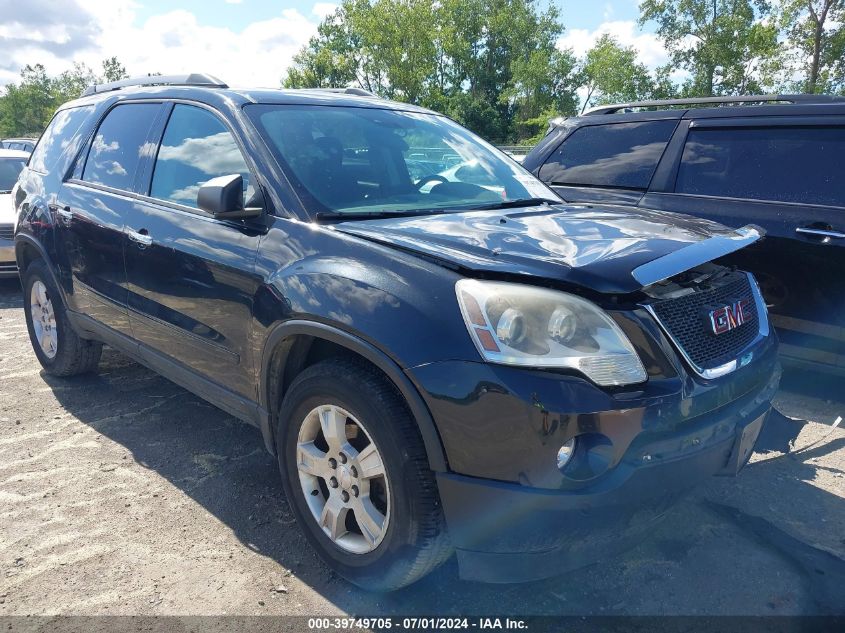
(508, 533)
(528, 523)
(8, 265)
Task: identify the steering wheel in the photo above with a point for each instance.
(430, 178)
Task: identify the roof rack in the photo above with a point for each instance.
(194, 79)
(359, 92)
(739, 99)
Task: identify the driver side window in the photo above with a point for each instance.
(196, 147)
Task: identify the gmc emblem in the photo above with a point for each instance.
(728, 317)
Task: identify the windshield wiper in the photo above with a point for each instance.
(513, 204)
(328, 216)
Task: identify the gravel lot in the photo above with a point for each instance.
(121, 493)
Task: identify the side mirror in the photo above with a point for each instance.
(223, 197)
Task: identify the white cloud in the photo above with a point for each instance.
(649, 49)
(174, 42)
(324, 9)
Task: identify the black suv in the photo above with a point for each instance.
(453, 362)
(774, 161)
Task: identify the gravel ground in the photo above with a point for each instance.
(123, 494)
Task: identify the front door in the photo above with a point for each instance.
(191, 276)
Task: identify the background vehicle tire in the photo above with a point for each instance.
(59, 349)
(341, 425)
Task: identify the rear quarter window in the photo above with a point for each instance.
(782, 164)
(60, 136)
(622, 155)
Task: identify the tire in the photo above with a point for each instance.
(413, 539)
(58, 347)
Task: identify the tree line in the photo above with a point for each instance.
(494, 64)
(27, 106)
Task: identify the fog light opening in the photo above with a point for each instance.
(564, 455)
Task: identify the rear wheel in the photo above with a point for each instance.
(357, 478)
(58, 348)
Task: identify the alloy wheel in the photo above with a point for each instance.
(43, 319)
(343, 478)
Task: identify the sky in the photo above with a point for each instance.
(243, 42)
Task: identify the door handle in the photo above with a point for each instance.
(140, 237)
(827, 235)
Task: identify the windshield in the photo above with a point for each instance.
(348, 160)
(10, 169)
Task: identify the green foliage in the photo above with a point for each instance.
(721, 43)
(113, 70)
(27, 107)
(812, 58)
(495, 66)
(491, 64)
(611, 74)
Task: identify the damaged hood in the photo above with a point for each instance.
(610, 249)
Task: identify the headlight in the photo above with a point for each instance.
(522, 325)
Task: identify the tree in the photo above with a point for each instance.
(383, 46)
(815, 45)
(721, 43)
(71, 83)
(491, 64)
(27, 107)
(113, 70)
(612, 74)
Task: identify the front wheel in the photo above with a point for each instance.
(356, 476)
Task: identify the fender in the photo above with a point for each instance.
(428, 431)
(20, 238)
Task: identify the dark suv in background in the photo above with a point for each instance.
(775, 161)
(439, 365)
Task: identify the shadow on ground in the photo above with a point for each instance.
(718, 552)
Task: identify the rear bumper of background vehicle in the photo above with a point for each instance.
(507, 532)
(8, 265)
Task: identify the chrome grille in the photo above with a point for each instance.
(685, 319)
(7, 231)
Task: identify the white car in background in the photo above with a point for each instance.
(471, 171)
(12, 162)
(475, 172)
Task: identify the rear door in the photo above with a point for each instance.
(607, 162)
(784, 174)
(90, 211)
(191, 277)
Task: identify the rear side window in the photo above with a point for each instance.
(784, 164)
(58, 137)
(622, 155)
(196, 147)
(119, 145)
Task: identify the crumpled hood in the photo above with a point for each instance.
(610, 249)
(7, 209)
